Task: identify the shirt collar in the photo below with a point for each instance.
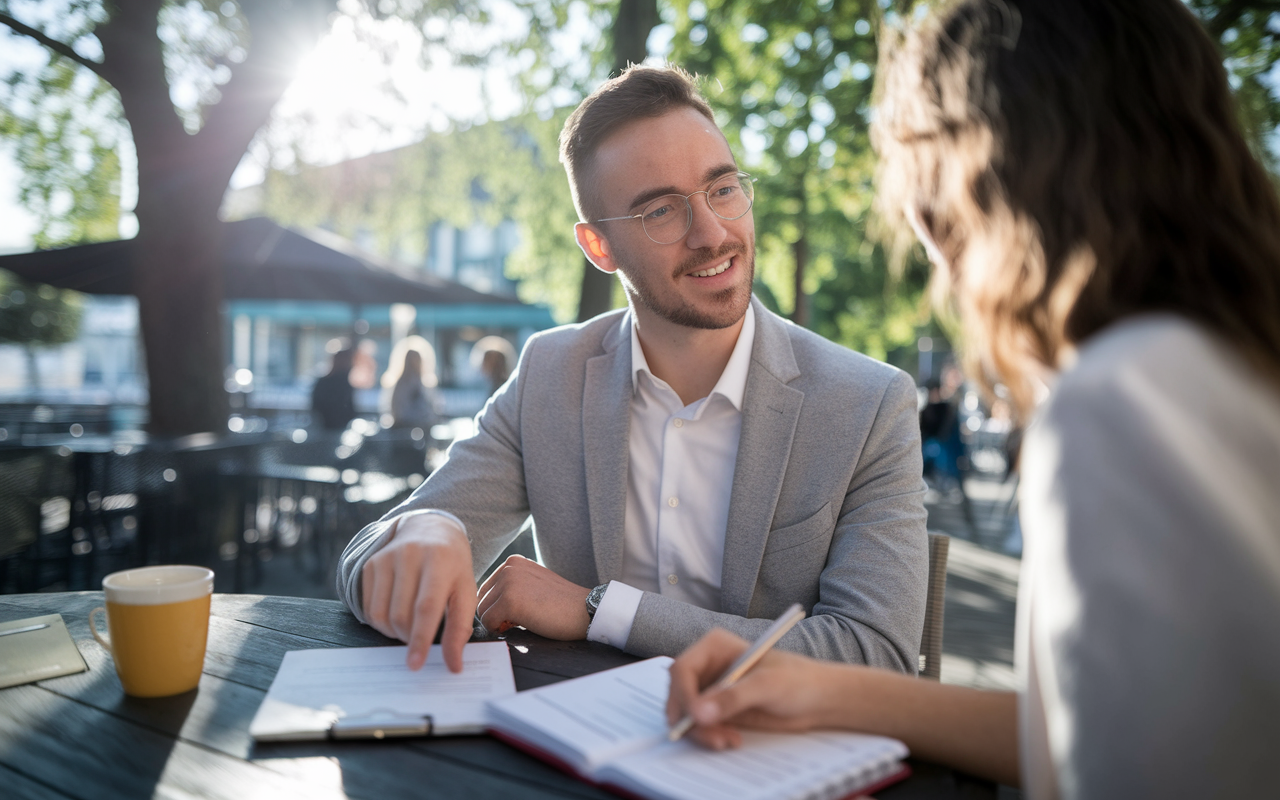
(732, 385)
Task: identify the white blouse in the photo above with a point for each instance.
(1148, 637)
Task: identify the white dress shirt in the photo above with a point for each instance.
(679, 481)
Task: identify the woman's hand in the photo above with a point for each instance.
(970, 729)
(784, 692)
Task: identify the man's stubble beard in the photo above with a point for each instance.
(730, 303)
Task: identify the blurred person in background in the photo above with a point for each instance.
(940, 421)
(409, 386)
(946, 464)
(333, 402)
(364, 364)
(493, 356)
(1078, 177)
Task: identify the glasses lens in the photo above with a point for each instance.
(666, 218)
(730, 197)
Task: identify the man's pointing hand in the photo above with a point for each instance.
(422, 574)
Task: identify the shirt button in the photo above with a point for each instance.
(673, 501)
(672, 579)
(679, 423)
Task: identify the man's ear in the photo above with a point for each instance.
(594, 246)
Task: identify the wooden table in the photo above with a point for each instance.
(79, 735)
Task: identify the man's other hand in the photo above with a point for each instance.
(523, 592)
(422, 574)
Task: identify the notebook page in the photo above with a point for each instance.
(314, 688)
(821, 765)
(587, 721)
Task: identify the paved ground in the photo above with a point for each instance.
(982, 586)
(982, 583)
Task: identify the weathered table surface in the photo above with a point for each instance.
(79, 736)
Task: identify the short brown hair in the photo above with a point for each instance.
(1094, 146)
(639, 92)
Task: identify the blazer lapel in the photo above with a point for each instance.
(770, 411)
(606, 419)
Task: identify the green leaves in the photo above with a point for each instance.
(791, 84)
(34, 313)
(1249, 38)
(63, 127)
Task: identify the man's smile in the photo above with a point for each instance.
(711, 271)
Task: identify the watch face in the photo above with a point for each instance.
(594, 598)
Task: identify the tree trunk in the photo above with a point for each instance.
(800, 251)
(596, 294)
(800, 254)
(178, 279)
(634, 22)
(631, 28)
(177, 258)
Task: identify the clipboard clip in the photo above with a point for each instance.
(380, 724)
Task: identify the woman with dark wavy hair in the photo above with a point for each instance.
(1077, 175)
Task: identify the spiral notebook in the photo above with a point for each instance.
(610, 729)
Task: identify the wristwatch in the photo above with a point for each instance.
(593, 599)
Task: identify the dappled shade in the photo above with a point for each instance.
(261, 260)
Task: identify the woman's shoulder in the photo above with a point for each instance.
(1162, 364)
(1161, 346)
(1156, 401)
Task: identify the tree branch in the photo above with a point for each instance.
(56, 46)
(257, 83)
(133, 61)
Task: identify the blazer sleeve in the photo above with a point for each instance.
(481, 483)
(872, 588)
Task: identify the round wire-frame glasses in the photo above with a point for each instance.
(729, 197)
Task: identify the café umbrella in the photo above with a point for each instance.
(261, 260)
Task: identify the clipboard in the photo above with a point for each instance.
(381, 724)
(369, 693)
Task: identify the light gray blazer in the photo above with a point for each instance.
(826, 507)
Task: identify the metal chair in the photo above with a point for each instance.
(34, 545)
(935, 604)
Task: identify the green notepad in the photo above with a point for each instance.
(36, 648)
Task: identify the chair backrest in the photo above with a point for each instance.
(935, 604)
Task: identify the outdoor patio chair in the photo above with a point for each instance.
(34, 551)
(935, 604)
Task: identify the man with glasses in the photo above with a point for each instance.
(689, 462)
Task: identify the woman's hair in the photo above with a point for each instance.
(493, 353)
(1076, 163)
(398, 361)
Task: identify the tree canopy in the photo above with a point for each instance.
(193, 82)
(189, 84)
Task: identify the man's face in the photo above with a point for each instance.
(704, 279)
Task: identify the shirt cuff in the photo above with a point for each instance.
(420, 512)
(612, 622)
(357, 588)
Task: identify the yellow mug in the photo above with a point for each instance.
(158, 621)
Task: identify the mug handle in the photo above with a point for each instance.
(93, 628)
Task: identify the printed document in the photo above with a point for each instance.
(368, 691)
